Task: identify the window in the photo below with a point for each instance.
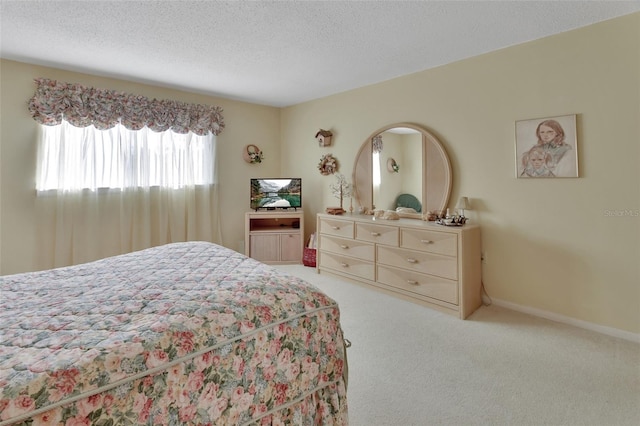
(377, 176)
(155, 158)
(96, 138)
(76, 158)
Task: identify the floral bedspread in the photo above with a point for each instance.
(185, 333)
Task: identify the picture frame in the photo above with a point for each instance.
(547, 147)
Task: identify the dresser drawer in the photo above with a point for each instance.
(360, 249)
(337, 227)
(381, 234)
(422, 284)
(429, 241)
(348, 265)
(428, 263)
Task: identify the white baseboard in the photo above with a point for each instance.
(610, 331)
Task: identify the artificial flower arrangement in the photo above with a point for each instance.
(256, 157)
(392, 165)
(253, 154)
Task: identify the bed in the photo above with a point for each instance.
(408, 201)
(180, 334)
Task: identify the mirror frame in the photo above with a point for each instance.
(433, 152)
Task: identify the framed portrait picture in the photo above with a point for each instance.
(547, 147)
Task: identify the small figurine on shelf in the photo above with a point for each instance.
(430, 216)
(454, 220)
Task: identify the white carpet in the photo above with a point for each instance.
(411, 365)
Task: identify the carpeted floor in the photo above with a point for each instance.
(411, 365)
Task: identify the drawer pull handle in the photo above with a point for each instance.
(426, 241)
(343, 246)
(410, 260)
(335, 227)
(412, 282)
(375, 234)
(345, 265)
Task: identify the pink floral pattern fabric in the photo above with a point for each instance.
(82, 106)
(185, 333)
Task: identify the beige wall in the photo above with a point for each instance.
(19, 236)
(554, 245)
(551, 245)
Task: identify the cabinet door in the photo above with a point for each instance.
(265, 248)
(290, 248)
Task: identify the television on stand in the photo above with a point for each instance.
(276, 193)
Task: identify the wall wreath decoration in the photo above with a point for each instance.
(392, 166)
(328, 165)
(252, 154)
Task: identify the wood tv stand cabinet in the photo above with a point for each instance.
(274, 236)
(434, 265)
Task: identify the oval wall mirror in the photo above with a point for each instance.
(422, 180)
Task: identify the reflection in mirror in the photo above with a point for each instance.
(422, 181)
(405, 146)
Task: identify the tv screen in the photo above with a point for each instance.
(276, 193)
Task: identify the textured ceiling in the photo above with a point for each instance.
(277, 53)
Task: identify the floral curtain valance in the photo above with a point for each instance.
(83, 106)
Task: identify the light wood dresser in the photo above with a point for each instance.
(435, 265)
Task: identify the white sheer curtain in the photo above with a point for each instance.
(377, 175)
(106, 192)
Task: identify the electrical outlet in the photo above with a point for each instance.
(483, 257)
